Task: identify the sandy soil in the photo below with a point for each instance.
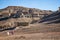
(34, 32)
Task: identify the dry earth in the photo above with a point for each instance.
(34, 32)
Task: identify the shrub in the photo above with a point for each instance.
(34, 21)
(22, 23)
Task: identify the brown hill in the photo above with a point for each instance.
(12, 15)
(14, 9)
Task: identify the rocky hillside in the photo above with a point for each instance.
(52, 18)
(14, 9)
(12, 16)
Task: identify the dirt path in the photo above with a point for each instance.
(34, 36)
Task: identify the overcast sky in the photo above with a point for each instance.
(40, 4)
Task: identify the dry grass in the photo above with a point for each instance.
(34, 32)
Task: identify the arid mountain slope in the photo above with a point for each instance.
(14, 9)
(12, 16)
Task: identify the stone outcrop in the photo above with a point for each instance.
(52, 18)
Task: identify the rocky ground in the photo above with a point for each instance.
(34, 32)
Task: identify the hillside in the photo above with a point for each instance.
(29, 24)
(52, 18)
(20, 14)
(14, 9)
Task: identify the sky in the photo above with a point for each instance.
(40, 4)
